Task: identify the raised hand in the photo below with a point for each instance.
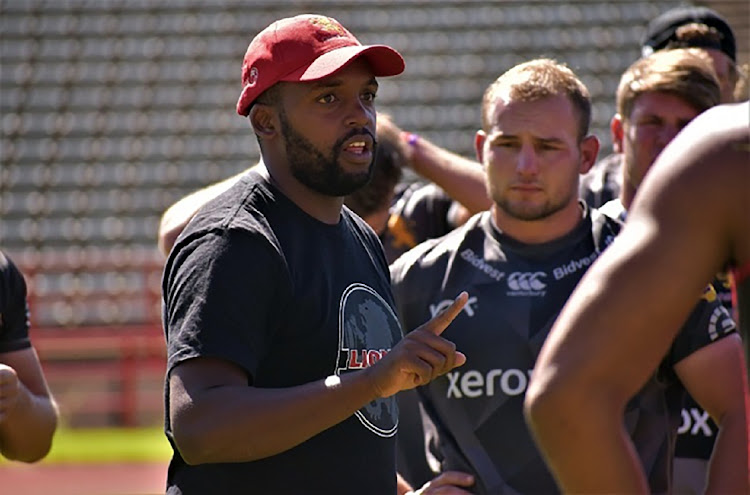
(421, 356)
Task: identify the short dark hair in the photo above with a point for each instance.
(270, 96)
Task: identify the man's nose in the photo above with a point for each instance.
(667, 133)
(359, 114)
(528, 163)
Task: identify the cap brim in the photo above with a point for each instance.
(384, 61)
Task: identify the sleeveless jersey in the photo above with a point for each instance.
(256, 281)
(474, 414)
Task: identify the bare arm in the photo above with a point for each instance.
(177, 216)
(216, 417)
(462, 179)
(622, 317)
(28, 414)
(721, 364)
(588, 358)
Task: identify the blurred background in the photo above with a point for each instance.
(111, 110)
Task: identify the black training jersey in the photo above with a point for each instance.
(603, 182)
(256, 281)
(14, 309)
(420, 212)
(475, 413)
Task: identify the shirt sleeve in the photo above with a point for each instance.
(223, 299)
(14, 308)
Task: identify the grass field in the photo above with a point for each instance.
(108, 445)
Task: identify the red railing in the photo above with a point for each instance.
(96, 325)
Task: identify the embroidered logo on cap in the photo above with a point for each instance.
(252, 78)
(327, 28)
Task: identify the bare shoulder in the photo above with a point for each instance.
(700, 184)
(711, 152)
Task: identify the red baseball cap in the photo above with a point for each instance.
(306, 48)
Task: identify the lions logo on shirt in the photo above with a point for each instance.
(368, 329)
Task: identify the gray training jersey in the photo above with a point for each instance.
(474, 420)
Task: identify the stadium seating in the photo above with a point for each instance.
(112, 110)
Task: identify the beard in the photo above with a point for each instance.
(319, 172)
(527, 211)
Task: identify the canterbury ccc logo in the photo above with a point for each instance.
(526, 281)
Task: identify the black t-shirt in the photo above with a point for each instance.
(256, 281)
(14, 309)
(516, 291)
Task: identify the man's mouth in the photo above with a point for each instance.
(526, 187)
(356, 147)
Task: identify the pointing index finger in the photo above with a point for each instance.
(440, 322)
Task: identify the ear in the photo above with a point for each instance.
(479, 138)
(264, 120)
(618, 132)
(589, 151)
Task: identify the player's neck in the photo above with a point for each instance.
(547, 229)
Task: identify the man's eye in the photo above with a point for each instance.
(369, 96)
(329, 98)
(650, 121)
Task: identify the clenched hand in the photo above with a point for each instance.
(9, 390)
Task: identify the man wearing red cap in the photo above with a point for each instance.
(284, 351)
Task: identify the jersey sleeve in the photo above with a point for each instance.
(222, 298)
(708, 322)
(422, 212)
(14, 308)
